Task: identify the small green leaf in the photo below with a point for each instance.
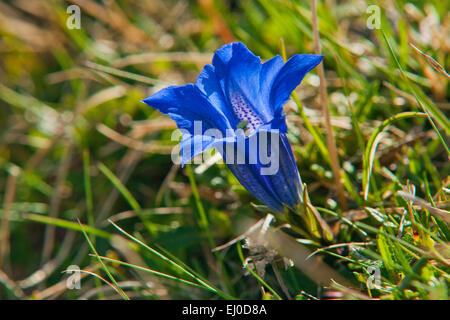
(242, 125)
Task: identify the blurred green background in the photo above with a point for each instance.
(76, 142)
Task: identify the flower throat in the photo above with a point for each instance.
(244, 112)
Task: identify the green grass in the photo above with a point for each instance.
(77, 143)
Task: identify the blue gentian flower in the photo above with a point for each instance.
(239, 91)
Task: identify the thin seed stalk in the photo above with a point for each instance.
(331, 142)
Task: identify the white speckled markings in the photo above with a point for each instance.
(244, 112)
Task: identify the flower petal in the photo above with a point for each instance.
(249, 175)
(208, 84)
(275, 181)
(287, 179)
(192, 146)
(268, 74)
(186, 104)
(238, 72)
(289, 77)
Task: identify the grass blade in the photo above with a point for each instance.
(121, 292)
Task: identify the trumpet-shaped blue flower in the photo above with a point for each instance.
(239, 92)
